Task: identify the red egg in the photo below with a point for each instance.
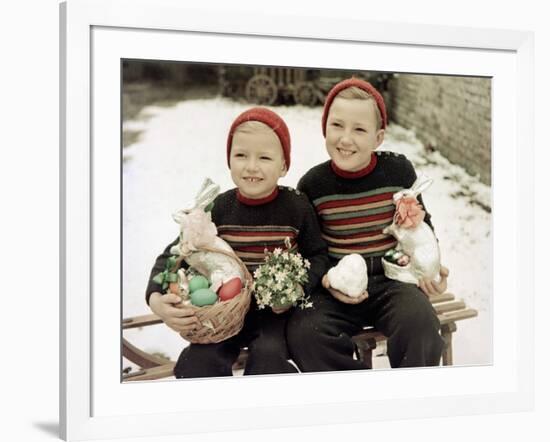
(230, 289)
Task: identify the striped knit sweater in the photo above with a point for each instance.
(250, 228)
(354, 208)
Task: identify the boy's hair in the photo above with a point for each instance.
(267, 117)
(251, 127)
(354, 88)
(355, 93)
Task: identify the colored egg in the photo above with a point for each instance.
(202, 297)
(230, 289)
(197, 283)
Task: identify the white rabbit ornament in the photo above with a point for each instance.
(415, 238)
(197, 231)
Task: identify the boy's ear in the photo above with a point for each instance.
(283, 171)
(380, 137)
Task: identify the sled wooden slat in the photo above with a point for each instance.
(148, 374)
(459, 315)
(140, 321)
(449, 306)
(140, 357)
(442, 298)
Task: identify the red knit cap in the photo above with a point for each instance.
(268, 117)
(361, 84)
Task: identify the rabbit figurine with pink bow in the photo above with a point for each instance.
(416, 240)
(199, 240)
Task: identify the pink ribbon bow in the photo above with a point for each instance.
(408, 212)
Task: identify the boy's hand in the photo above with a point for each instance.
(179, 318)
(342, 297)
(432, 288)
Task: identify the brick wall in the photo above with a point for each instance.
(450, 114)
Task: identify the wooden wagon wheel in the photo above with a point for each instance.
(261, 89)
(305, 93)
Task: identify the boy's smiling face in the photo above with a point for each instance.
(352, 133)
(256, 161)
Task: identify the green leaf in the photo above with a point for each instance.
(159, 278)
(172, 277)
(171, 262)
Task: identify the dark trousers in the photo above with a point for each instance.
(319, 338)
(264, 335)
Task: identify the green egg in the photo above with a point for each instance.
(197, 283)
(203, 297)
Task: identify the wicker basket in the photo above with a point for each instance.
(224, 318)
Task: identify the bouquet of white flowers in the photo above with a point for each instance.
(278, 282)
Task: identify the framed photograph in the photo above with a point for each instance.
(106, 191)
(169, 105)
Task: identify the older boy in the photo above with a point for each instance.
(352, 195)
(256, 215)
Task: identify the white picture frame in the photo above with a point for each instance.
(90, 395)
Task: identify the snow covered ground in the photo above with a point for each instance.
(181, 145)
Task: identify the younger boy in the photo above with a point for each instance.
(352, 195)
(255, 216)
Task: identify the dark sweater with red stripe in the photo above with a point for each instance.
(354, 208)
(251, 226)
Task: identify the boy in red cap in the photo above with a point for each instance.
(256, 215)
(352, 195)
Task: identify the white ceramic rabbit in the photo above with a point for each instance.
(197, 231)
(418, 242)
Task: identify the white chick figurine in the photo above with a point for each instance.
(349, 276)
